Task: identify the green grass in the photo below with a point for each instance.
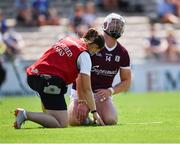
(149, 117)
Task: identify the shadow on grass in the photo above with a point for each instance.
(32, 128)
(96, 126)
(81, 126)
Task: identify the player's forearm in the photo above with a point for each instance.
(122, 87)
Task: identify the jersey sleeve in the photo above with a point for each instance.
(84, 63)
(125, 61)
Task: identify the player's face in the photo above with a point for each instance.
(93, 49)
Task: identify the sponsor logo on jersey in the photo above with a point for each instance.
(97, 71)
(117, 58)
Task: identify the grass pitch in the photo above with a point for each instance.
(148, 117)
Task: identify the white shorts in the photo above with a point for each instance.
(73, 95)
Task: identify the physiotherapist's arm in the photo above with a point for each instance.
(84, 64)
(84, 90)
(83, 81)
(83, 85)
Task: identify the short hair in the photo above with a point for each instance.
(93, 36)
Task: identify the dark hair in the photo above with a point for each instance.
(92, 36)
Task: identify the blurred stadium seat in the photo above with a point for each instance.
(39, 39)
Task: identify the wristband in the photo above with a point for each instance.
(112, 90)
(93, 111)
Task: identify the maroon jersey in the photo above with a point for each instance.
(106, 64)
(60, 60)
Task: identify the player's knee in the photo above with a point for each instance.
(60, 126)
(64, 125)
(74, 123)
(73, 120)
(110, 121)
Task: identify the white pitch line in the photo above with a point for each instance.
(144, 123)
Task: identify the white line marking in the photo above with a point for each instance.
(143, 123)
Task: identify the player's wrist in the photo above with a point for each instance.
(111, 90)
(82, 102)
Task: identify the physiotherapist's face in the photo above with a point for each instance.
(93, 49)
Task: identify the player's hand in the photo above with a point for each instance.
(82, 112)
(97, 119)
(102, 95)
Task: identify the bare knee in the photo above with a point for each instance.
(72, 118)
(59, 126)
(64, 125)
(74, 123)
(110, 121)
(60, 118)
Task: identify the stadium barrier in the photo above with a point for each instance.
(145, 77)
(154, 77)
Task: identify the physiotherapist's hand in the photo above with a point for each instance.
(82, 112)
(102, 95)
(97, 119)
